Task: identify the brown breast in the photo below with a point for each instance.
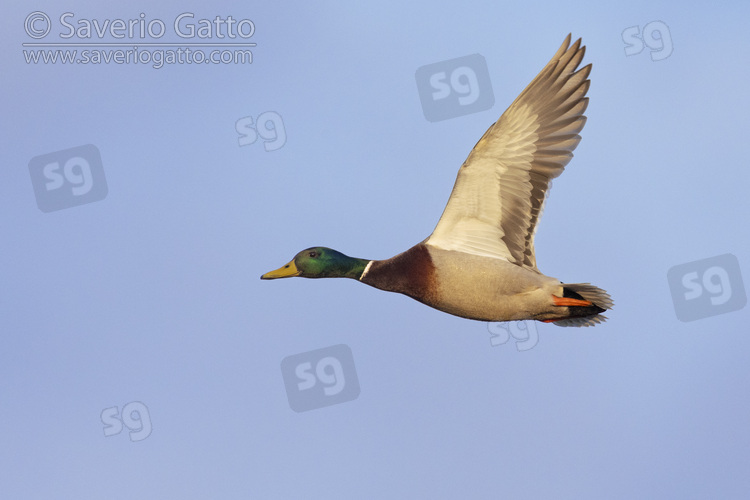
(411, 273)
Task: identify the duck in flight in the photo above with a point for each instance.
(479, 261)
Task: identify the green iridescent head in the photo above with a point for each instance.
(320, 262)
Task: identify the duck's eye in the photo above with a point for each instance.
(313, 254)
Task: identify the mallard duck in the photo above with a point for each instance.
(479, 261)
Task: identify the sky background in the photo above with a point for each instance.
(146, 304)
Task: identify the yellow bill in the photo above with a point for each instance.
(286, 271)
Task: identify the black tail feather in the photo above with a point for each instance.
(585, 315)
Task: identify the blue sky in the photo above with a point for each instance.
(146, 298)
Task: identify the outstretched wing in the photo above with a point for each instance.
(500, 190)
